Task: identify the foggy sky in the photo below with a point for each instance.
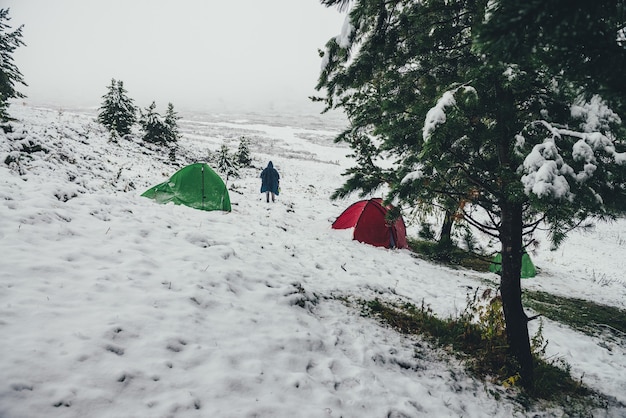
(225, 55)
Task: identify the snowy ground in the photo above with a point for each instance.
(114, 306)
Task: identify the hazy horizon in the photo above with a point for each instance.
(228, 56)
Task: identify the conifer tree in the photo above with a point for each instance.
(506, 147)
(159, 129)
(156, 130)
(226, 162)
(171, 120)
(10, 75)
(117, 113)
(243, 152)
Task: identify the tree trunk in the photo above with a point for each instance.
(445, 237)
(511, 290)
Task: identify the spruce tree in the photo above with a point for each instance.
(505, 147)
(226, 162)
(162, 130)
(171, 120)
(156, 131)
(117, 113)
(243, 153)
(10, 75)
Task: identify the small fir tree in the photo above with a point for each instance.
(153, 125)
(117, 113)
(171, 120)
(157, 129)
(243, 152)
(226, 163)
(172, 153)
(10, 75)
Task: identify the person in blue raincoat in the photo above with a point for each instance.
(270, 181)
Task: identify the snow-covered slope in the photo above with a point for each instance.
(114, 306)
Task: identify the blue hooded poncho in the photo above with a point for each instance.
(269, 179)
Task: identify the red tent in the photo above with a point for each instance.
(370, 226)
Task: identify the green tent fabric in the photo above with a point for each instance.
(196, 185)
(528, 268)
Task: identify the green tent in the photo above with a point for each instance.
(528, 268)
(196, 186)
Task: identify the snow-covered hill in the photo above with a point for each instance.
(114, 306)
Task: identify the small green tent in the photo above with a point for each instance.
(196, 186)
(528, 268)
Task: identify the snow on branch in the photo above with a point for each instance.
(545, 171)
(344, 39)
(416, 175)
(437, 115)
(596, 114)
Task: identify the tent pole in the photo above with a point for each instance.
(225, 191)
(202, 171)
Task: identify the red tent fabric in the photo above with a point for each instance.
(370, 226)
